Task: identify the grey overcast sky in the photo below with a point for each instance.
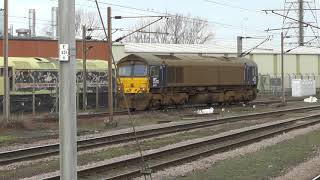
(227, 18)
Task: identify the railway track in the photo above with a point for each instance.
(125, 112)
(316, 178)
(32, 153)
(186, 152)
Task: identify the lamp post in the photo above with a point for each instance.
(67, 90)
(110, 80)
(6, 86)
(84, 63)
(282, 69)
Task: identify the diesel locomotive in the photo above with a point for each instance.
(155, 81)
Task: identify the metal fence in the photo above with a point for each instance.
(272, 83)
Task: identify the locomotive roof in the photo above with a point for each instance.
(185, 59)
(50, 64)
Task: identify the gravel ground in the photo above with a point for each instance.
(207, 162)
(305, 171)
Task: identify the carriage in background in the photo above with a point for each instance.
(38, 77)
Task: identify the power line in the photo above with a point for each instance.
(225, 25)
(24, 17)
(94, 7)
(292, 19)
(232, 6)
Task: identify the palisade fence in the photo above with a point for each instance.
(271, 84)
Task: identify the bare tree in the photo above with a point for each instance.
(177, 29)
(87, 18)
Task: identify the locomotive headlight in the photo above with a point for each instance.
(142, 89)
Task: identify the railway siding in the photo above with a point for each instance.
(277, 127)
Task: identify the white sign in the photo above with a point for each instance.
(64, 52)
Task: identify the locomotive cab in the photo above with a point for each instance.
(157, 76)
(133, 77)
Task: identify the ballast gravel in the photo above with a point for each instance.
(208, 162)
(91, 151)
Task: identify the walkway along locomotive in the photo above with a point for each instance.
(154, 81)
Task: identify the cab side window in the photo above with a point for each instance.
(155, 71)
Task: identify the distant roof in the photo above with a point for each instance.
(207, 49)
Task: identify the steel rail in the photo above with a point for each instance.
(129, 167)
(125, 112)
(18, 155)
(316, 178)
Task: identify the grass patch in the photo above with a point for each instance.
(269, 162)
(5, 139)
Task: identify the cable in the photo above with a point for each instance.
(145, 166)
(24, 17)
(232, 6)
(120, 38)
(94, 7)
(299, 45)
(250, 50)
(224, 25)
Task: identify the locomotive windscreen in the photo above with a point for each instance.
(133, 70)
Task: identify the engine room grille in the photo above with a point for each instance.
(179, 74)
(175, 75)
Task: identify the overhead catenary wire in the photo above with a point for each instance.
(247, 52)
(224, 25)
(300, 46)
(232, 6)
(121, 38)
